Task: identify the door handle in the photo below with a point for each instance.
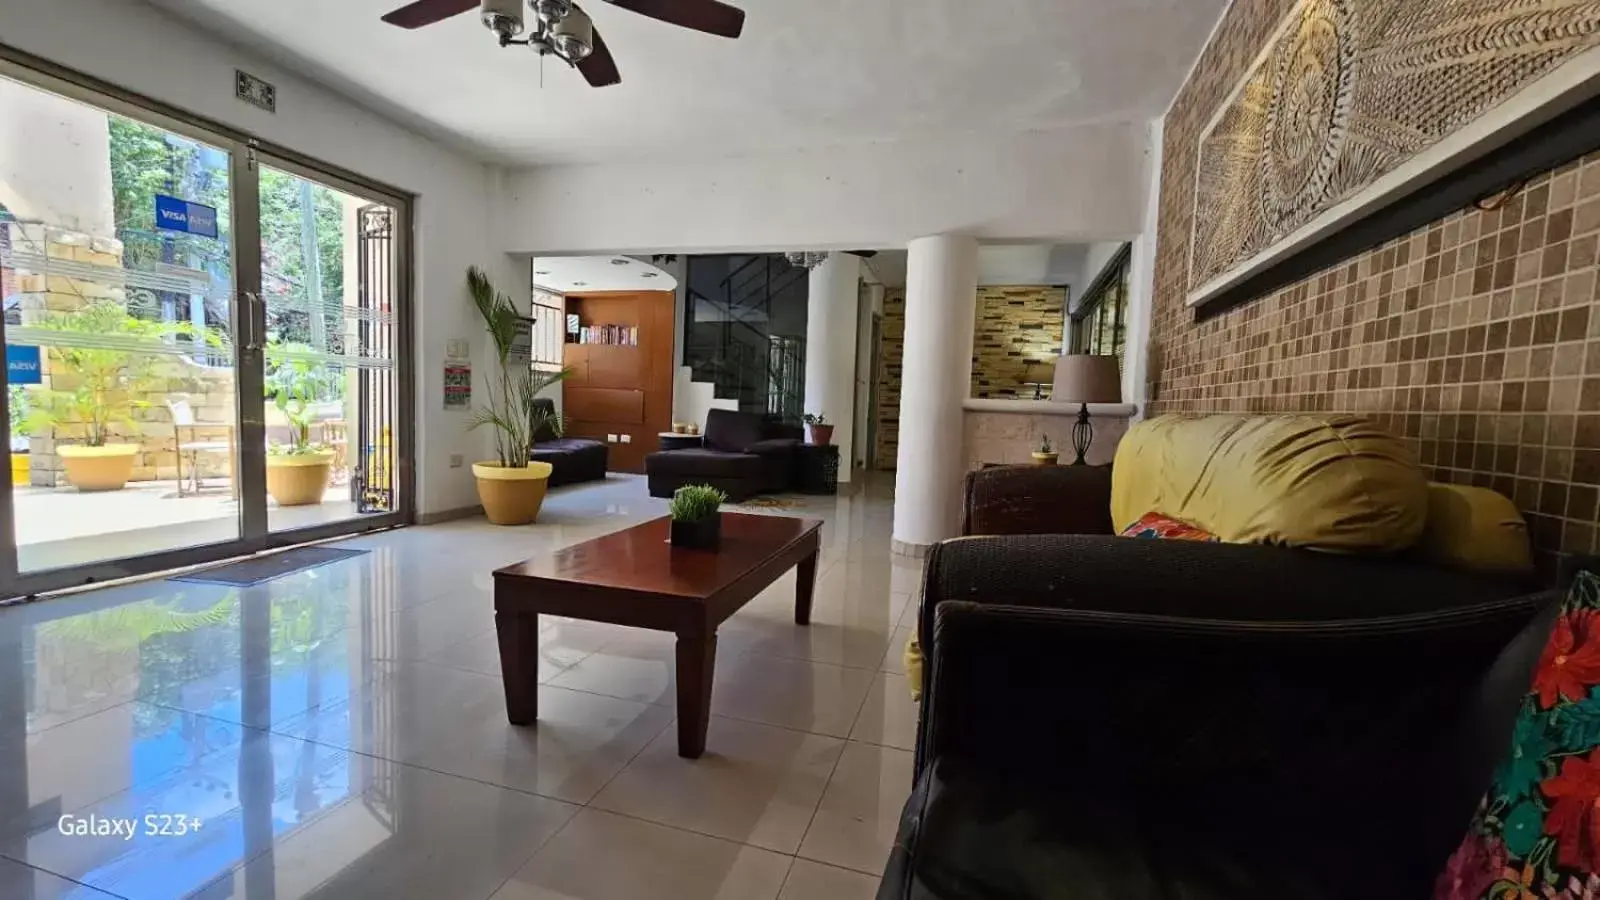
(247, 321)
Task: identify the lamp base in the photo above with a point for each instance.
(1082, 435)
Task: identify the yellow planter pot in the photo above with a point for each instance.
(103, 468)
(299, 479)
(1045, 459)
(511, 496)
(20, 469)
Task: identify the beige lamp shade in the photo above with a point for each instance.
(1082, 378)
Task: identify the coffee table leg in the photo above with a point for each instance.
(805, 585)
(519, 664)
(697, 660)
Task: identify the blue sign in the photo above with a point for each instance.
(181, 215)
(22, 364)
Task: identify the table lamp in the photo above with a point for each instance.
(1037, 375)
(1084, 379)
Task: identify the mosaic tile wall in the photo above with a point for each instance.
(1016, 326)
(1476, 337)
(892, 341)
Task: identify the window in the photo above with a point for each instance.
(1099, 322)
(549, 312)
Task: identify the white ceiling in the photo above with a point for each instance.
(569, 274)
(806, 72)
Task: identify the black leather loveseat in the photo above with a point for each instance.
(742, 454)
(1108, 717)
(572, 460)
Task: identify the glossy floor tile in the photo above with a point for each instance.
(341, 732)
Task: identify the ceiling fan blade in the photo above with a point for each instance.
(427, 12)
(709, 16)
(598, 68)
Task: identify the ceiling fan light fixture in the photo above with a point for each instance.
(573, 36)
(551, 10)
(503, 17)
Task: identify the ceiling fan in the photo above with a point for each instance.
(559, 28)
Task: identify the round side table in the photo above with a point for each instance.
(671, 440)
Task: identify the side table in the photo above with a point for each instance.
(672, 440)
(816, 468)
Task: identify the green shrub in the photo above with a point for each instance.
(694, 502)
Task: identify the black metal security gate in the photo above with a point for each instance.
(372, 485)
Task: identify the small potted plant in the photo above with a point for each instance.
(97, 382)
(818, 431)
(1046, 455)
(696, 524)
(297, 472)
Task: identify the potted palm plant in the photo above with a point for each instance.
(511, 487)
(696, 524)
(94, 390)
(297, 471)
(19, 406)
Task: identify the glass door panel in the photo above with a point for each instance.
(117, 274)
(328, 287)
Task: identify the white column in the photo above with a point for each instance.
(831, 304)
(935, 378)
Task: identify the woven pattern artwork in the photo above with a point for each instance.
(1348, 91)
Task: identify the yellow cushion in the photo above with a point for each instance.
(1335, 483)
(1474, 528)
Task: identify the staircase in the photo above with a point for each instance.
(744, 332)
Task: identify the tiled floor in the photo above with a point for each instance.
(341, 733)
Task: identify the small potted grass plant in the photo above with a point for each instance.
(818, 431)
(1046, 455)
(696, 523)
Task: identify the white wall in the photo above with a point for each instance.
(1141, 283)
(833, 311)
(144, 50)
(53, 161)
(1073, 184)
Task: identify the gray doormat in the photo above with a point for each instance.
(255, 570)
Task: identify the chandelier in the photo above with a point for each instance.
(556, 27)
(806, 259)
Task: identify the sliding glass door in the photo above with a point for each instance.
(204, 343)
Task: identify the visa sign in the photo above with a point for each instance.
(173, 214)
(22, 364)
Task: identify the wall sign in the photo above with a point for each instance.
(22, 364)
(173, 214)
(1353, 104)
(457, 385)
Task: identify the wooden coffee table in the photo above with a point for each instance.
(634, 577)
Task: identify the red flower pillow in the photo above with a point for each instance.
(1537, 831)
(1156, 525)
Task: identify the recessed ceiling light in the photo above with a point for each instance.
(541, 271)
(648, 274)
(619, 261)
(580, 284)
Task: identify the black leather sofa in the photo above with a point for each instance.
(572, 460)
(1106, 717)
(742, 454)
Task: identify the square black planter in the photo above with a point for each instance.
(705, 534)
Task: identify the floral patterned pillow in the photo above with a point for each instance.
(1537, 831)
(1156, 525)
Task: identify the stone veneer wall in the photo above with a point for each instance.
(1016, 327)
(891, 353)
(1475, 337)
(210, 391)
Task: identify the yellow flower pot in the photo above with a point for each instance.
(299, 479)
(103, 468)
(1045, 459)
(511, 496)
(20, 469)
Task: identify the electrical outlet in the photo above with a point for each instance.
(611, 439)
(456, 460)
(627, 439)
